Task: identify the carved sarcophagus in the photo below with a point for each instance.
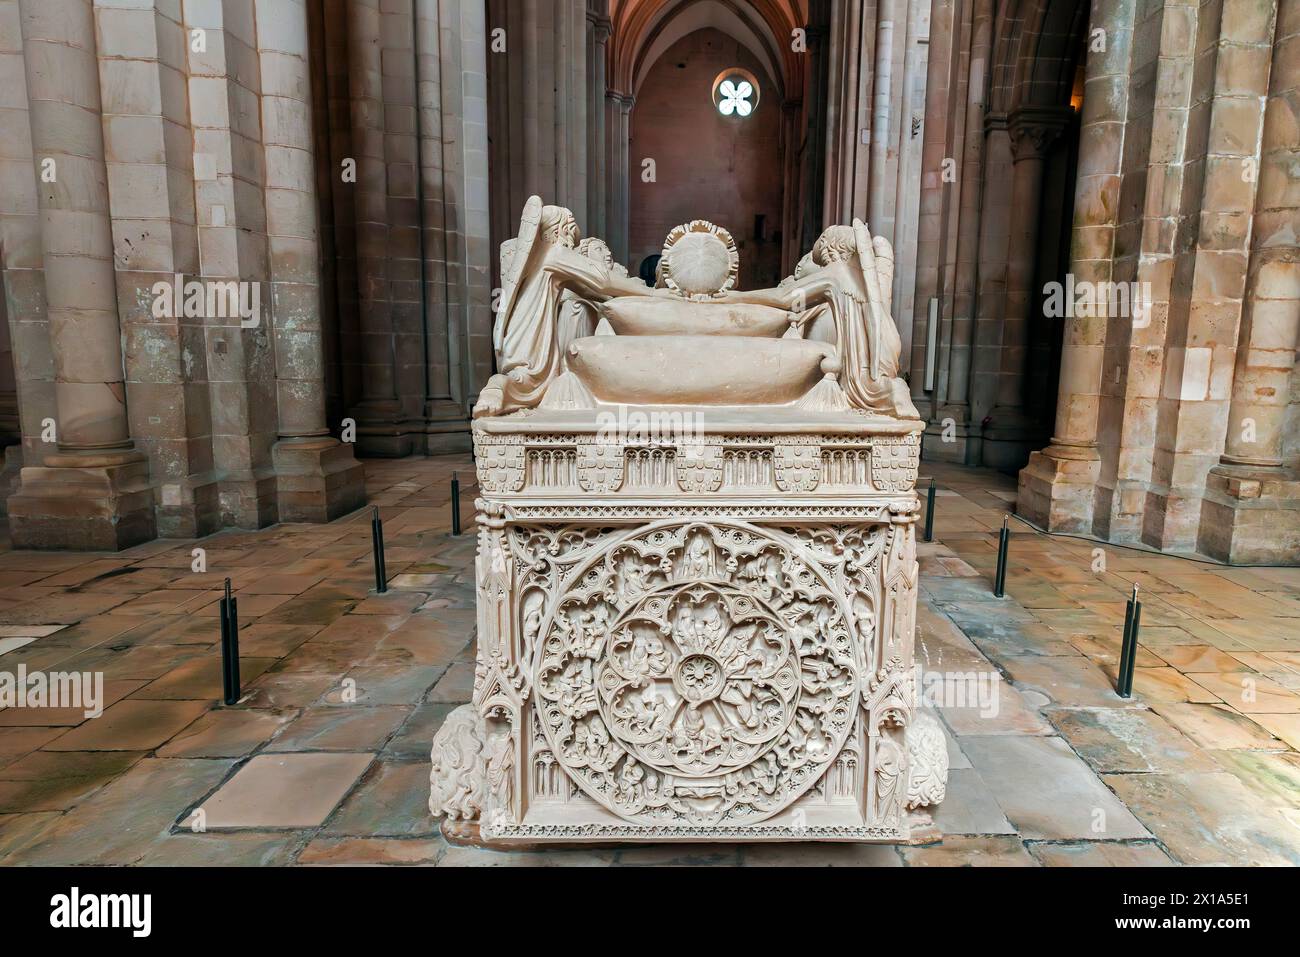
(695, 622)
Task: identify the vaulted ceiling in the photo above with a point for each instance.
(642, 30)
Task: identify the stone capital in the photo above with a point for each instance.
(1034, 129)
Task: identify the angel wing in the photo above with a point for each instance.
(514, 259)
(875, 307)
(885, 270)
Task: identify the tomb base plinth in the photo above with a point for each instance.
(693, 625)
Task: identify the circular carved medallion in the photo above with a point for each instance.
(699, 259)
(697, 673)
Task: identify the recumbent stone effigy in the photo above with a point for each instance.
(696, 572)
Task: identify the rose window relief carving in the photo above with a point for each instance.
(697, 673)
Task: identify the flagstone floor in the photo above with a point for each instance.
(325, 760)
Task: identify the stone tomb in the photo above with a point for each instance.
(695, 616)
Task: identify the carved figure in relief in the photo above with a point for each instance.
(501, 768)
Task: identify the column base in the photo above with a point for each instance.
(84, 503)
(1251, 515)
(317, 479)
(382, 431)
(948, 437)
(1009, 438)
(1057, 489)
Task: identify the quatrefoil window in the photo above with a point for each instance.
(735, 92)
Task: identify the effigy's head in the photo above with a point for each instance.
(835, 244)
(699, 260)
(559, 225)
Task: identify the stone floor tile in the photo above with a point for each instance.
(456, 685)
(826, 854)
(969, 852)
(1100, 854)
(16, 742)
(19, 830)
(363, 851)
(1075, 682)
(455, 856)
(354, 728)
(1209, 818)
(1128, 740)
(969, 806)
(49, 781)
(392, 800)
(1201, 658)
(1285, 726)
(1164, 684)
(1250, 693)
(680, 855)
(185, 848)
(227, 733)
(284, 790)
(414, 739)
(117, 824)
(1217, 727)
(287, 690)
(200, 679)
(1273, 776)
(1047, 791)
(1010, 714)
(114, 691)
(384, 682)
(131, 726)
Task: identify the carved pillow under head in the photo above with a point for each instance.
(644, 316)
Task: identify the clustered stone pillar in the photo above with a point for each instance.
(318, 478)
(619, 130)
(1033, 131)
(1248, 494)
(1057, 488)
(94, 492)
(378, 431)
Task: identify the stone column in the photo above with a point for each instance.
(1057, 488)
(1033, 131)
(598, 30)
(94, 493)
(20, 256)
(377, 415)
(955, 393)
(1250, 508)
(618, 133)
(318, 478)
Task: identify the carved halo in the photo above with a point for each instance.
(700, 260)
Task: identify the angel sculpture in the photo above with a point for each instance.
(822, 341)
(538, 268)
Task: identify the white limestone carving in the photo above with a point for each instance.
(457, 779)
(702, 631)
(567, 312)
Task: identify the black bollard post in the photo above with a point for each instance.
(230, 647)
(1000, 577)
(929, 513)
(455, 504)
(377, 540)
(1128, 650)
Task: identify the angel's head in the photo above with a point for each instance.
(559, 226)
(837, 243)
